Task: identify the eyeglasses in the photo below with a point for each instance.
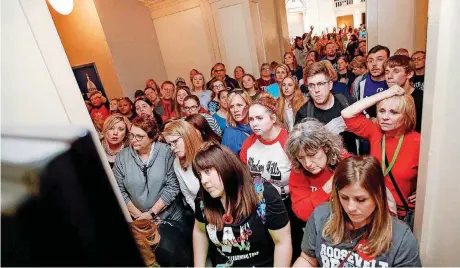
(218, 86)
(266, 69)
(320, 85)
(418, 59)
(218, 70)
(138, 137)
(173, 144)
(191, 108)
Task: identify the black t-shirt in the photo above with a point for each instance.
(418, 101)
(419, 81)
(248, 243)
(297, 74)
(325, 116)
(349, 77)
(333, 62)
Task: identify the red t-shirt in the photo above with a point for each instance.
(267, 159)
(99, 114)
(307, 190)
(263, 84)
(405, 169)
(169, 110)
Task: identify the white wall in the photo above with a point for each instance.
(133, 43)
(438, 199)
(295, 24)
(383, 17)
(320, 14)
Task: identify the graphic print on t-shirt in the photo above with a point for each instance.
(332, 256)
(270, 171)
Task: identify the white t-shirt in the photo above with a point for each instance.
(188, 183)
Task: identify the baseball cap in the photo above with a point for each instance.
(180, 79)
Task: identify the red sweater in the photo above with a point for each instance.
(307, 192)
(405, 169)
(169, 109)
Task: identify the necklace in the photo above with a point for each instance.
(107, 149)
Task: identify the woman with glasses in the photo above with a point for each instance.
(281, 72)
(115, 136)
(238, 221)
(199, 90)
(265, 79)
(251, 86)
(356, 229)
(314, 152)
(289, 102)
(216, 87)
(148, 184)
(238, 129)
(192, 106)
(221, 115)
(144, 106)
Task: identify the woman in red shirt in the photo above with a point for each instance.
(392, 137)
(314, 152)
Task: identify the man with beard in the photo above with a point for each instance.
(374, 81)
(325, 106)
(331, 54)
(418, 58)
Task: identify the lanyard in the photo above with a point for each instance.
(386, 170)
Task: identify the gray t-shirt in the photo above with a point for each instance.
(403, 250)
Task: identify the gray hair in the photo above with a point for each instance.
(311, 135)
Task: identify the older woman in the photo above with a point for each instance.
(115, 136)
(238, 129)
(148, 184)
(314, 152)
(356, 229)
(281, 72)
(289, 102)
(238, 74)
(393, 141)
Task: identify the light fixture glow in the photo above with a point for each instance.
(64, 7)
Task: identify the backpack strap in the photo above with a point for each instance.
(261, 206)
(310, 109)
(342, 100)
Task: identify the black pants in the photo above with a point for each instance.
(297, 226)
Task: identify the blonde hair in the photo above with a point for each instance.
(367, 173)
(231, 96)
(285, 67)
(192, 140)
(297, 101)
(406, 107)
(112, 120)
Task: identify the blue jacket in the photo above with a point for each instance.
(234, 137)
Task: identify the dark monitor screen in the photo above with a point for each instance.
(59, 207)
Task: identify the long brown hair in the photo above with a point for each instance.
(294, 61)
(296, 102)
(200, 123)
(365, 171)
(177, 107)
(239, 189)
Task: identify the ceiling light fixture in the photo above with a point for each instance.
(63, 7)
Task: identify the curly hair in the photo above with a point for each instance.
(148, 124)
(311, 135)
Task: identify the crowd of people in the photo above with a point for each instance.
(314, 163)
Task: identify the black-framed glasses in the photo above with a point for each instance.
(418, 59)
(319, 85)
(138, 137)
(266, 69)
(173, 144)
(191, 108)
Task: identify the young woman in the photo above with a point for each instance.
(222, 113)
(251, 86)
(179, 97)
(393, 140)
(144, 106)
(113, 106)
(243, 222)
(314, 152)
(344, 75)
(358, 65)
(294, 69)
(199, 90)
(200, 123)
(184, 142)
(238, 129)
(115, 136)
(192, 106)
(238, 74)
(125, 106)
(216, 87)
(356, 229)
(289, 102)
(281, 72)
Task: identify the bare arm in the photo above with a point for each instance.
(158, 207)
(361, 105)
(305, 261)
(283, 246)
(133, 210)
(200, 244)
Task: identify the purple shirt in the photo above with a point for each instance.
(373, 87)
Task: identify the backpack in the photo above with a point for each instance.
(341, 98)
